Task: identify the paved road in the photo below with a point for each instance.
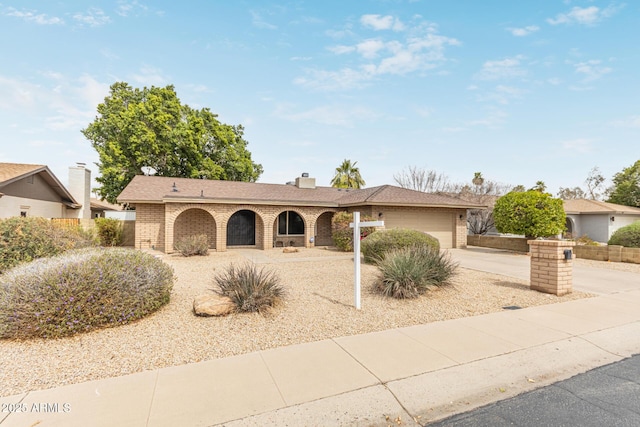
(587, 279)
(605, 396)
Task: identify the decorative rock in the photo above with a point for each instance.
(289, 250)
(213, 305)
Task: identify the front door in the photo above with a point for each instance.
(241, 229)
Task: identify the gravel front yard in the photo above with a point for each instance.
(319, 305)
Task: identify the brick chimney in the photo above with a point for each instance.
(80, 188)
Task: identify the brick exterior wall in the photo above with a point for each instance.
(195, 221)
(159, 225)
(517, 244)
(550, 271)
(150, 226)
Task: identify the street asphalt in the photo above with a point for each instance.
(605, 396)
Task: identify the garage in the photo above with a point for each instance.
(439, 224)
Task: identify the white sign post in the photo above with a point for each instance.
(356, 224)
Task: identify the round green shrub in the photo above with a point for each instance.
(25, 239)
(342, 234)
(81, 290)
(110, 231)
(627, 236)
(376, 245)
(409, 271)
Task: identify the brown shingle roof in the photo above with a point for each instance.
(586, 206)
(11, 172)
(154, 189)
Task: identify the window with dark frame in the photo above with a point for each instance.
(290, 223)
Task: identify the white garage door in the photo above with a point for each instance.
(438, 224)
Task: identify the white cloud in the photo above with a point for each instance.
(580, 145)
(17, 94)
(258, 21)
(127, 8)
(525, 31)
(378, 22)
(493, 120)
(369, 48)
(332, 115)
(341, 49)
(591, 70)
(94, 17)
(502, 94)
(422, 49)
(631, 122)
(300, 58)
(502, 69)
(150, 76)
(584, 15)
(32, 16)
(554, 81)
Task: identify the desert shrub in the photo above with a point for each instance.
(342, 234)
(376, 245)
(408, 272)
(81, 290)
(250, 288)
(193, 245)
(585, 240)
(627, 236)
(25, 239)
(109, 231)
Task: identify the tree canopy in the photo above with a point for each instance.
(532, 213)
(347, 176)
(150, 127)
(626, 186)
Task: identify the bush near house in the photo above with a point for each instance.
(251, 290)
(110, 231)
(408, 272)
(80, 291)
(193, 245)
(26, 239)
(627, 236)
(532, 213)
(342, 234)
(376, 245)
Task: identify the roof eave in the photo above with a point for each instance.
(417, 205)
(174, 199)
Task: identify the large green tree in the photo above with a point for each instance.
(626, 186)
(532, 213)
(150, 127)
(347, 176)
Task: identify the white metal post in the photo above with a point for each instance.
(356, 258)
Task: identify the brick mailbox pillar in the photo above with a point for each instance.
(551, 266)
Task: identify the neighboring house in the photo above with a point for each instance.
(597, 219)
(243, 214)
(104, 209)
(33, 190)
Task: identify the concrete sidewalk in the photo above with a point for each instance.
(406, 376)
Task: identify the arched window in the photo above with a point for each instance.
(289, 222)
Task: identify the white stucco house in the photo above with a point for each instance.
(596, 219)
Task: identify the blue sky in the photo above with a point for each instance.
(519, 90)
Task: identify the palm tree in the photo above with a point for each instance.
(478, 179)
(347, 176)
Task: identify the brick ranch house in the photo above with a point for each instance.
(242, 214)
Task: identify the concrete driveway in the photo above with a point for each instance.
(600, 281)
